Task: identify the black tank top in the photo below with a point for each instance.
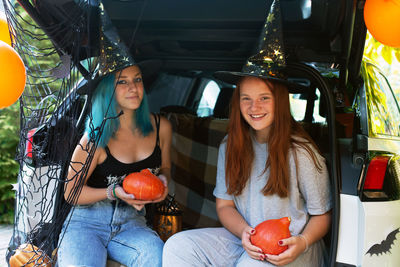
(113, 171)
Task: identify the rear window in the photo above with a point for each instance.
(208, 99)
(298, 107)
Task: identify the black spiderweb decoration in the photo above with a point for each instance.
(58, 41)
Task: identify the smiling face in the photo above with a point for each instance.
(257, 106)
(129, 88)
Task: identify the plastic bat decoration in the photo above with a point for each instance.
(385, 246)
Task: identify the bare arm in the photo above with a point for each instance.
(317, 227)
(234, 222)
(230, 217)
(88, 194)
(165, 144)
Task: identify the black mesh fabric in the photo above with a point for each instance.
(58, 42)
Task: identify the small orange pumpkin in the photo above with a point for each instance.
(29, 255)
(268, 234)
(143, 185)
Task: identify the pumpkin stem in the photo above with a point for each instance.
(285, 220)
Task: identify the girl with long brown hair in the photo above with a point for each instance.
(268, 168)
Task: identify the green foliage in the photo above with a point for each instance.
(375, 51)
(42, 55)
(381, 104)
(387, 59)
(9, 138)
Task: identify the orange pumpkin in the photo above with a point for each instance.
(268, 234)
(29, 255)
(143, 185)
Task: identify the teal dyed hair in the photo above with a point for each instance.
(102, 108)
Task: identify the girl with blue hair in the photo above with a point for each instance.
(121, 137)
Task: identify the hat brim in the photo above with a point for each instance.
(149, 68)
(233, 77)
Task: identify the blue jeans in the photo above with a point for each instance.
(108, 229)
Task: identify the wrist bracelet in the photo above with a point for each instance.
(305, 240)
(110, 196)
(115, 185)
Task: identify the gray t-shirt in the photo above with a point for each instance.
(309, 192)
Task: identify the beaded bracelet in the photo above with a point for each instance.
(110, 194)
(305, 240)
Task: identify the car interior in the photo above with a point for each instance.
(187, 41)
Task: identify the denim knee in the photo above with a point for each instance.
(152, 256)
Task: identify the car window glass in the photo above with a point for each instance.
(208, 99)
(316, 113)
(169, 90)
(301, 12)
(383, 110)
(298, 105)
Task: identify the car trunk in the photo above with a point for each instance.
(196, 38)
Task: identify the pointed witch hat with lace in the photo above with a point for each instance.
(269, 62)
(114, 55)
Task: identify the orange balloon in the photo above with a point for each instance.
(12, 75)
(4, 33)
(382, 18)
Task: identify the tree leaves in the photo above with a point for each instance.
(375, 51)
(382, 109)
(9, 138)
(388, 60)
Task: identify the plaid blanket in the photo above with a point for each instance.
(194, 154)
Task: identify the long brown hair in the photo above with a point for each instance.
(284, 134)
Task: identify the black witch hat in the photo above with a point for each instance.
(269, 62)
(114, 55)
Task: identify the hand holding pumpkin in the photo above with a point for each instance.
(253, 251)
(140, 188)
(274, 239)
(130, 198)
(296, 245)
(164, 180)
(269, 233)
